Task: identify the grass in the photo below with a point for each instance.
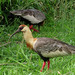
(17, 59)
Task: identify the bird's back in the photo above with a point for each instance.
(48, 47)
(33, 15)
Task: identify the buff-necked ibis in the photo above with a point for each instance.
(45, 47)
(33, 15)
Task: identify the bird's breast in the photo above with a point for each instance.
(31, 43)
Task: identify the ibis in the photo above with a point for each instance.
(45, 47)
(33, 15)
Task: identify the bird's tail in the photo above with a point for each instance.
(72, 49)
(16, 12)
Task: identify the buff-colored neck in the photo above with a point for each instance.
(28, 37)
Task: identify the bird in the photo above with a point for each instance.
(33, 15)
(45, 47)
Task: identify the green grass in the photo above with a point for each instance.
(17, 59)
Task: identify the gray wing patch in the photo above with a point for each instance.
(47, 45)
(39, 15)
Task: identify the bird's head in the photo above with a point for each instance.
(22, 28)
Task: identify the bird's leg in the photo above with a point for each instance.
(38, 27)
(35, 30)
(48, 64)
(43, 66)
(41, 24)
(31, 27)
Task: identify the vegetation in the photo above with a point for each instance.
(16, 58)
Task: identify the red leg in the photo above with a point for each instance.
(31, 27)
(48, 64)
(43, 66)
(35, 30)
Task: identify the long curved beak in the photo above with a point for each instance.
(18, 30)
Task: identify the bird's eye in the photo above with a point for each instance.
(21, 28)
